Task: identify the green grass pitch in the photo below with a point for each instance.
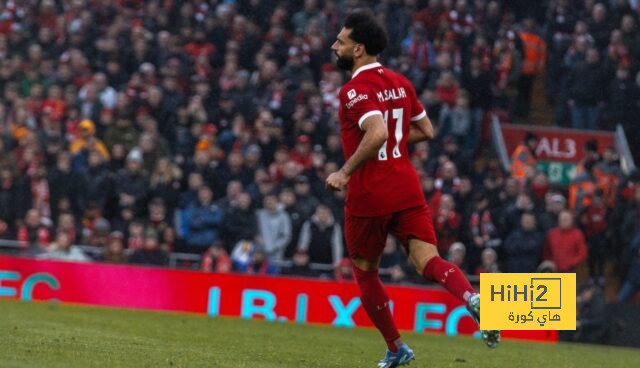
(50, 335)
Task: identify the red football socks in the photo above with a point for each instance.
(376, 303)
(449, 276)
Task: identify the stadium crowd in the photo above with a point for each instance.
(208, 127)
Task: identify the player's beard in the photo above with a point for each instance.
(345, 62)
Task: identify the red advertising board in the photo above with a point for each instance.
(555, 145)
(261, 297)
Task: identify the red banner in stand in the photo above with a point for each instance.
(556, 144)
(420, 309)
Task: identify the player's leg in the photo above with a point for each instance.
(425, 258)
(414, 229)
(365, 239)
(431, 266)
(375, 300)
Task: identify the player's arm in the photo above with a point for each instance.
(421, 130)
(375, 134)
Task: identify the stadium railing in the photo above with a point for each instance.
(188, 260)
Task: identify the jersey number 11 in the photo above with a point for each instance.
(397, 116)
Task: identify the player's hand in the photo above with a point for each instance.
(337, 181)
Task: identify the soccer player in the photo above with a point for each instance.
(379, 115)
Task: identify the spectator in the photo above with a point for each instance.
(489, 262)
(583, 187)
(609, 173)
(447, 223)
(158, 218)
(523, 246)
(591, 325)
(201, 224)
(300, 266)
(586, 96)
(114, 251)
(189, 197)
(524, 156)
(344, 271)
(483, 232)
(98, 233)
(462, 123)
(447, 89)
(150, 253)
(14, 200)
(321, 238)
(135, 235)
(547, 267)
(631, 282)
(164, 183)
(631, 218)
(622, 95)
(67, 224)
(508, 65)
(274, 228)
(477, 80)
(242, 254)
(307, 203)
(292, 206)
(64, 183)
(392, 255)
(456, 255)
(448, 181)
(97, 181)
(565, 244)
(554, 204)
(87, 141)
(301, 154)
(234, 189)
(593, 220)
(512, 214)
(260, 265)
(33, 235)
(534, 59)
(121, 133)
(216, 259)
(62, 250)
(239, 222)
(131, 184)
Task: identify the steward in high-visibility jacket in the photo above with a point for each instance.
(524, 156)
(535, 53)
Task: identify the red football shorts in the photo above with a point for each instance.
(367, 236)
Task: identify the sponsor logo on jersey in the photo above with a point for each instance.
(354, 101)
(351, 94)
(391, 94)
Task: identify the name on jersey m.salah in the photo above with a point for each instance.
(387, 183)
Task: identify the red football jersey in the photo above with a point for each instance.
(387, 183)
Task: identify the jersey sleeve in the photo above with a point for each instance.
(359, 103)
(417, 110)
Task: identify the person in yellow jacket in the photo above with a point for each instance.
(524, 156)
(86, 140)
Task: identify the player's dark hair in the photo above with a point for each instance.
(366, 30)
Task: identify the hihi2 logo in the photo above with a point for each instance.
(520, 301)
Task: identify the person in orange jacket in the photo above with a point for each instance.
(534, 60)
(524, 156)
(86, 140)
